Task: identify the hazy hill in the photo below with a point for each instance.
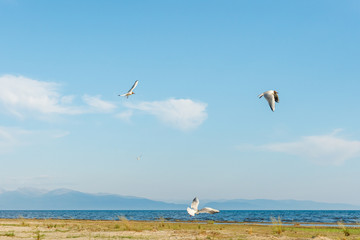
(66, 199)
(61, 199)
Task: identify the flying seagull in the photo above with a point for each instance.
(271, 96)
(130, 92)
(194, 208)
(139, 157)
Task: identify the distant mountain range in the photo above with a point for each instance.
(66, 199)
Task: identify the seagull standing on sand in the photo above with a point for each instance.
(194, 208)
(271, 96)
(130, 92)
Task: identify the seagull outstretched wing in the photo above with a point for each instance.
(271, 100)
(134, 86)
(191, 211)
(195, 204)
(208, 210)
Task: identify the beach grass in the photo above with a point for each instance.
(123, 228)
(277, 225)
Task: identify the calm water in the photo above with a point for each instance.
(178, 215)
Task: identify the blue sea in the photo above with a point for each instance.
(241, 216)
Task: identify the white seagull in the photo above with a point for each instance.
(130, 92)
(271, 96)
(194, 208)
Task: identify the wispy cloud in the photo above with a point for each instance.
(10, 138)
(60, 134)
(125, 115)
(19, 94)
(184, 114)
(13, 138)
(323, 149)
(22, 96)
(97, 104)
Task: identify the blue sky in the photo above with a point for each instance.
(195, 118)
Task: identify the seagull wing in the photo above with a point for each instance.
(261, 95)
(208, 210)
(195, 204)
(191, 211)
(134, 86)
(271, 100)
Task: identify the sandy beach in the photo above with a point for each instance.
(123, 229)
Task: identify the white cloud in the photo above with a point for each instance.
(19, 94)
(22, 96)
(184, 114)
(67, 99)
(324, 149)
(99, 105)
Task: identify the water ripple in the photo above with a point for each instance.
(250, 216)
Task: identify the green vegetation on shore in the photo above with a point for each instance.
(125, 229)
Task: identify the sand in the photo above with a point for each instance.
(12, 229)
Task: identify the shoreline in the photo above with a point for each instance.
(284, 223)
(29, 228)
